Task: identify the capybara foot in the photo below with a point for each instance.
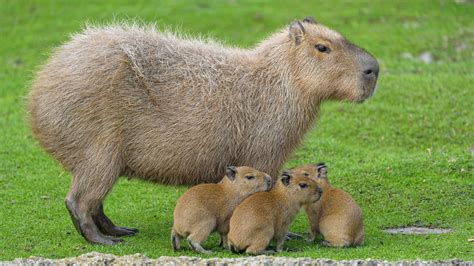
(175, 241)
(224, 241)
(291, 235)
(269, 251)
(86, 227)
(335, 244)
(310, 238)
(261, 252)
(198, 248)
(106, 226)
(102, 239)
(119, 231)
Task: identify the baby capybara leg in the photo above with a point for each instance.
(336, 241)
(175, 240)
(88, 188)
(259, 246)
(199, 234)
(107, 227)
(224, 241)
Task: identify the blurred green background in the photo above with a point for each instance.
(406, 155)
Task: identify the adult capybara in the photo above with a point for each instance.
(128, 100)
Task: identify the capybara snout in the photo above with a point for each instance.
(369, 72)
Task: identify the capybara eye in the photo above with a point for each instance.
(250, 177)
(303, 185)
(322, 48)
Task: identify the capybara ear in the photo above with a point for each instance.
(231, 171)
(285, 178)
(296, 32)
(310, 20)
(322, 170)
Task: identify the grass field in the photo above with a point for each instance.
(406, 155)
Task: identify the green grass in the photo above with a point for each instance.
(405, 155)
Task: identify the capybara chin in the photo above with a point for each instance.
(207, 207)
(337, 217)
(128, 100)
(266, 216)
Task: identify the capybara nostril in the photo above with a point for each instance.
(269, 183)
(371, 67)
(320, 190)
(371, 72)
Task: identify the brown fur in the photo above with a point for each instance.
(336, 216)
(207, 207)
(128, 100)
(266, 216)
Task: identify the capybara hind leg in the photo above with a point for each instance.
(359, 240)
(106, 226)
(175, 240)
(202, 231)
(337, 242)
(88, 189)
(259, 247)
(279, 244)
(82, 220)
(196, 246)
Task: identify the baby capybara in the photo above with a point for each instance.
(337, 217)
(266, 216)
(207, 207)
(127, 100)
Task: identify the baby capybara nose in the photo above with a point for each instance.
(320, 190)
(269, 182)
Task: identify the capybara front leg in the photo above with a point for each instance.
(279, 243)
(224, 241)
(106, 226)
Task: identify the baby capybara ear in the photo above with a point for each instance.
(322, 170)
(285, 178)
(310, 20)
(231, 171)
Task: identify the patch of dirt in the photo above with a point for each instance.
(95, 258)
(414, 230)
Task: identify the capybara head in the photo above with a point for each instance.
(317, 172)
(325, 62)
(248, 180)
(304, 190)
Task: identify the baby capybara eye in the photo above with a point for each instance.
(303, 185)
